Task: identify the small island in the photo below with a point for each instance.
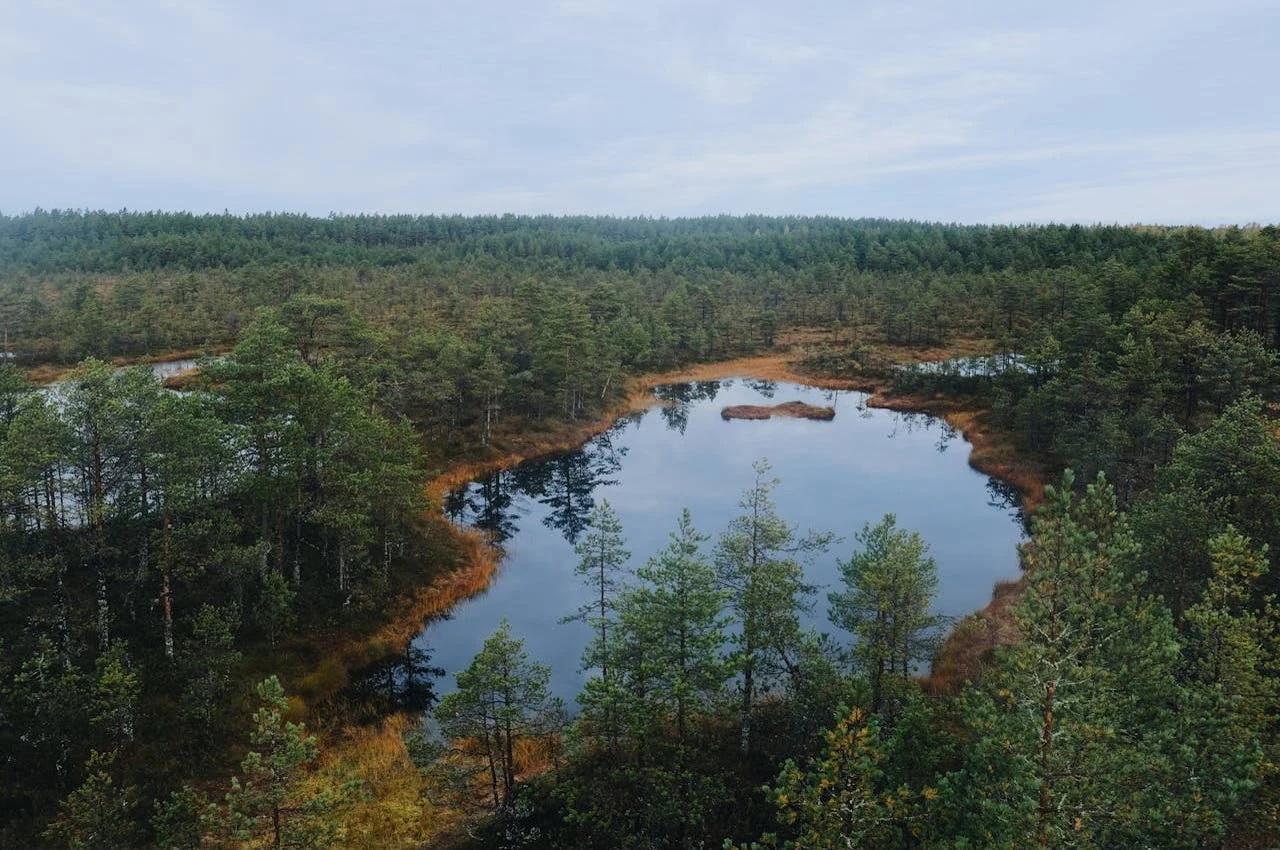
(793, 409)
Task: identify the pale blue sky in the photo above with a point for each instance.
(1147, 111)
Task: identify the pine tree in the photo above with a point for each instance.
(94, 416)
(205, 664)
(843, 798)
(270, 800)
(178, 821)
(890, 586)
(674, 671)
(502, 698)
(96, 816)
(756, 563)
(1076, 732)
(654, 789)
(188, 453)
(1232, 660)
(273, 612)
(116, 694)
(603, 559)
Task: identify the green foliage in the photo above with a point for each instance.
(887, 604)
(271, 800)
(205, 664)
(673, 632)
(273, 612)
(756, 564)
(1229, 473)
(96, 816)
(502, 698)
(653, 788)
(136, 525)
(842, 798)
(116, 693)
(1081, 737)
(178, 821)
(1232, 660)
(603, 555)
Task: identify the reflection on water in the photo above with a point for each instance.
(1004, 496)
(563, 484)
(404, 682)
(836, 475)
(677, 400)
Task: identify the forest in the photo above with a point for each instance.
(197, 574)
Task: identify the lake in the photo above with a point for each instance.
(835, 476)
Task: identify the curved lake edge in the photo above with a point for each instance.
(991, 452)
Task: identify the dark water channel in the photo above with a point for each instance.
(835, 476)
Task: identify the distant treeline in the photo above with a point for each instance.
(78, 284)
(61, 240)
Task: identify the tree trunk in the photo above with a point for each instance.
(166, 592)
(1046, 751)
(99, 508)
(342, 573)
(748, 693)
(488, 419)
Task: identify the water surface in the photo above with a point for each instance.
(835, 476)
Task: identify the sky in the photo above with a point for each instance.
(1152, 111)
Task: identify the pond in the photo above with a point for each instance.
(835, 476)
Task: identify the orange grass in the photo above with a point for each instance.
(395, 810)
(967, 647)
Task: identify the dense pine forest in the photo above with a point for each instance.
(179, 562)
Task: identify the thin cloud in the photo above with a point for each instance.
(989, 111)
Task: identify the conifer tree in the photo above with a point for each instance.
(602, 560)
(1232, 659)
(96, 816)
(602, 557)
(270, 800)
(756, 562)
(841, 798)
(1076, 731)
(890, 586)
(674, 671)
(502, 698)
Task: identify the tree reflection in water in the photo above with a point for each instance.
(1005, 496)
(564, 482)
(678, 398)
(485, 504)
(401, 682)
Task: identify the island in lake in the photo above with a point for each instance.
(792, 409)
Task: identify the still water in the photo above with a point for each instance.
(835, 476)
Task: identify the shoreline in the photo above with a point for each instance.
(990, 453)
(468, 562)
